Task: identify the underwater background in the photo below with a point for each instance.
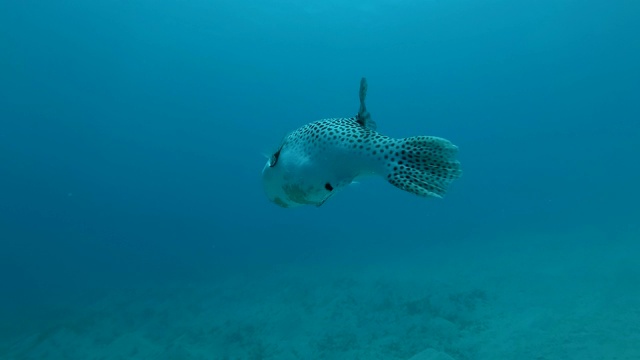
(133, 223)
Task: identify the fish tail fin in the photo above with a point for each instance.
(423, 165)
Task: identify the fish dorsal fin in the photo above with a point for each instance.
(364, 118)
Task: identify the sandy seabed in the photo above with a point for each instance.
(562, 296)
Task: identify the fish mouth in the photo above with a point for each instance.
(298, 194)
(280, 202)
(272, 184)
(283, 201)
(286, 192)
(289, 195)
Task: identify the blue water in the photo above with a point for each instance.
(132, 215)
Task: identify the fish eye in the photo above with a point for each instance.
(273, 160)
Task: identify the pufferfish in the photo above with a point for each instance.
(318, 160)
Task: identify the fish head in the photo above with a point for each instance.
(289, 181)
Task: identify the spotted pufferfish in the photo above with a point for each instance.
(319, 159)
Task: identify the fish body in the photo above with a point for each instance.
(321, 158)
